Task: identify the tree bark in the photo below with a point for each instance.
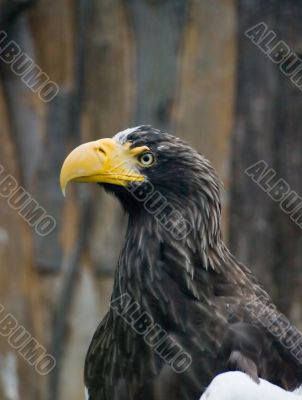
(267, 128)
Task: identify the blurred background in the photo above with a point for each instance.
(185, 66)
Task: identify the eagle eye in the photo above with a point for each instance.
(146, 159)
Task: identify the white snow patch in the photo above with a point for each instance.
(237, 386)
(298, 391)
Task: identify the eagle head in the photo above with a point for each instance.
(155, 175)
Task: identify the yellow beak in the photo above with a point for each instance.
(103, 161)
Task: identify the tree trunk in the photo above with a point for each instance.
(267, 128)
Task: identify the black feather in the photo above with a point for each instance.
(193, 289)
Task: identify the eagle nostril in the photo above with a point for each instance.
(101, 150)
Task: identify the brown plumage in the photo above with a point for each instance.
(186, 281)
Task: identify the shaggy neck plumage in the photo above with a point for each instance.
(148, 240)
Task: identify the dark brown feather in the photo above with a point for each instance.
(193, 288)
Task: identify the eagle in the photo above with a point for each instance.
(183, 309)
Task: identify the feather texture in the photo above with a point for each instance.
(189, 292)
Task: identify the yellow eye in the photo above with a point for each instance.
(146, 159)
